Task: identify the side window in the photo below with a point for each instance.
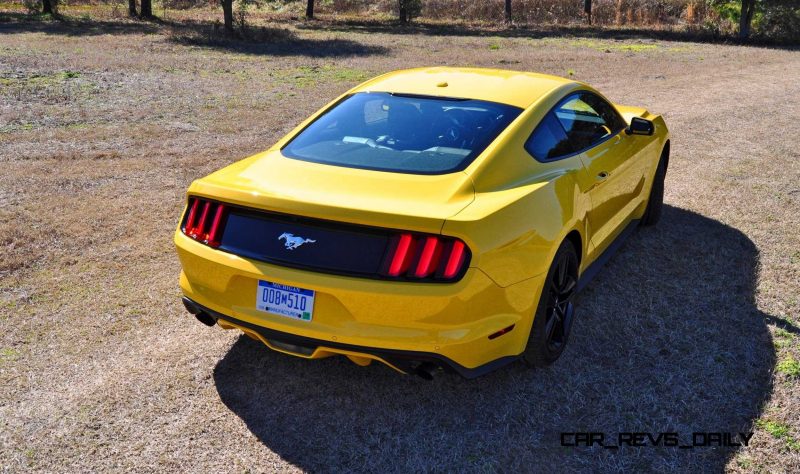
(548, 141)
(578, 122)
(605, 110)
(588, 119)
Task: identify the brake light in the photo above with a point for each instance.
(425, 257)
(401, 256)
(455, 260)
(190, 219)
(212, 238)
(197, 232)
(205, 221)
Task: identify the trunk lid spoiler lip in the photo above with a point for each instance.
(278, 184)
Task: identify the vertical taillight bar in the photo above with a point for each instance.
(189, 227)
(427, 259)
(197, 231)
(455, 260)
(401, 256)
(216, 228)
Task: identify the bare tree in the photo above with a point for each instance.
(408, 9)
(310, 9)
(618, 17)
(508, 11)
(146, 7)
(227, 13)
(748, 8)
(587, 8)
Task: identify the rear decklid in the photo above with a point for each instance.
(272, 182)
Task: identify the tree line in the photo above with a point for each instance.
(407, 10)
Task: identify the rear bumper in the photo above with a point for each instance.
(398, 323)
(403, 361)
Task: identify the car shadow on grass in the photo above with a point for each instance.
(668, 339)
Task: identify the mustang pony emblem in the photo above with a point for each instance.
(292, 241)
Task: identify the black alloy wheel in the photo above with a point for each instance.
(560, 309)
(556, 311)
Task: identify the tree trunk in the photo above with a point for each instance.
(146, 7)
(587, 8)
(403, 12)
(47, 7)
(310, 9)
(132, 7)
(227, 13)
(508, 11)
(748, 7)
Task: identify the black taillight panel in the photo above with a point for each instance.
(325, 246)
(304, 243)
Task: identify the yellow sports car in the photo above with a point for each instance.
(428, 218)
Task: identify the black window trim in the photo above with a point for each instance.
(552, 110)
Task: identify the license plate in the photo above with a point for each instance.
(289, 301)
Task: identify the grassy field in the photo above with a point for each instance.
(693, 326)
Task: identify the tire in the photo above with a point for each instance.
(655, 202)
(555, 313)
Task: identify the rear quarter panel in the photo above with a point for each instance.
(514, 233)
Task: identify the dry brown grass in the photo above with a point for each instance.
(102, 128)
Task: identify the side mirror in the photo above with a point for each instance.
(640, 126)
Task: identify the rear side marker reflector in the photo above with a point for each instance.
(501, 332)
(205, 221)
(425, 257)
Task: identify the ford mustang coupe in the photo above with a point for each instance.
(428, 218)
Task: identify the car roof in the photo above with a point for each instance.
(516, 88)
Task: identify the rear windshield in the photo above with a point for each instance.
(402, 133)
